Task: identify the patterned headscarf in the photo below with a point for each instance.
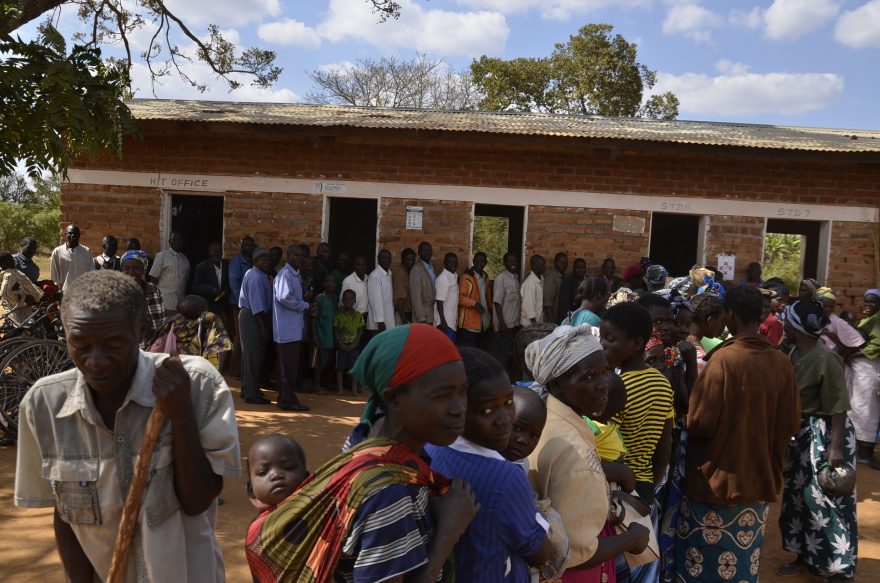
(682, 285)
(137, 255)
(656, 274)
(712, 287)
(398, 356)
(807, 317)
(677, 301)
(621, 296)
(826, 293)
(552, 356)
(655, 340)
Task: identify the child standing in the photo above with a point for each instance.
(322, 331)
(348, 327)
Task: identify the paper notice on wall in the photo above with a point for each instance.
(414, 215)
(727, 266)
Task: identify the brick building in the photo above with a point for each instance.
(681, 192)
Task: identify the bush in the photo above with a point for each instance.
(40, 217)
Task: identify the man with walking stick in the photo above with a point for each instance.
(80, 432)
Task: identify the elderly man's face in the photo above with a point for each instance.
(104, 347)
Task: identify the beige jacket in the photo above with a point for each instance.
(421, 294)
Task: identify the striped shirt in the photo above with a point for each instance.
(648, 406)
(505, 531)
(389, 536)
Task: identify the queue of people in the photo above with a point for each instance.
(506, 437)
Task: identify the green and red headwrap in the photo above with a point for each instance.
(398, 356)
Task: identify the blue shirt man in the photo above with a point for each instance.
(288, 317)
(256, 293)
(24, 261)
(239, 266)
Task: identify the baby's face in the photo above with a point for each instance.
(526, 432)
(276, 470)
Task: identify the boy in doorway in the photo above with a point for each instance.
(348, 328)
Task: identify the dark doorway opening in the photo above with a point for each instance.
(675, 241)
(809, 233)
(498, 229)
(200, 219)
(352, 227)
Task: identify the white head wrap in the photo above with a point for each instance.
(552, 356)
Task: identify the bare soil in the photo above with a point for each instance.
(27, 544)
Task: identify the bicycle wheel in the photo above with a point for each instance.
(21, 368)
(10, 344)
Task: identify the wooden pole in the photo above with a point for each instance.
(131, 508)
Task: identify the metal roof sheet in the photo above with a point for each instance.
(529, 124)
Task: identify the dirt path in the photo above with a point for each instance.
(27, 546)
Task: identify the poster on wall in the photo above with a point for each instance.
(727, 266)
(414, 215)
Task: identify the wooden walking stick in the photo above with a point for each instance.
(132, 505)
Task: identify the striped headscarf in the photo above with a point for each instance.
(398, 356)
(807, 317)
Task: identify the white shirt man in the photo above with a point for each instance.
(171, 270)
(380, 292)
(532, 292)
(446, 291)
(70, 260)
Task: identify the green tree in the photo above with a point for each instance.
(490, 237)
(595, 73)
(38, 217)
(14, 188)
(782, 258)
(58, 102)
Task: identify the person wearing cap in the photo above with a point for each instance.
(633, 279)
(255, 323)
(655, 277)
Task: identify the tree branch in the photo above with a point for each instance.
(30, 10)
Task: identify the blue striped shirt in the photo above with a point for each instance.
(505, 530)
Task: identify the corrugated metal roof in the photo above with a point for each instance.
(533, 124)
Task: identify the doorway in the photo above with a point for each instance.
(498, 229)
(793, 250)
(200, 219)
(352, 227)
(675, 241)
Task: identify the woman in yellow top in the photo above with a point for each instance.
(565, 466)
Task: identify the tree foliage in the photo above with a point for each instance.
(389, 81)
(57, 103)
(490, 237)
(782, 258)
(37, 216)
(595, 73)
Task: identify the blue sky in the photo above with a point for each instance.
(792, 62)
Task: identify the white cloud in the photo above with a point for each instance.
(860, 28)
(290, 32)
(223, 12)
(690, 19)
(737, 92)
(751, 19)
(431, 31)
(790, 19)
(553, 9)
(173, 87)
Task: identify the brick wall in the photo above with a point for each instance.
(121, 211)
(732, 235)
(586, 233)
(272, 219)
(853, 265)
(445, 224)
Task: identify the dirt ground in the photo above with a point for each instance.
(28, 551)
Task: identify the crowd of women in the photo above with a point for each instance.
(644, 448)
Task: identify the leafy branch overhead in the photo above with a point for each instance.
(594, 73)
